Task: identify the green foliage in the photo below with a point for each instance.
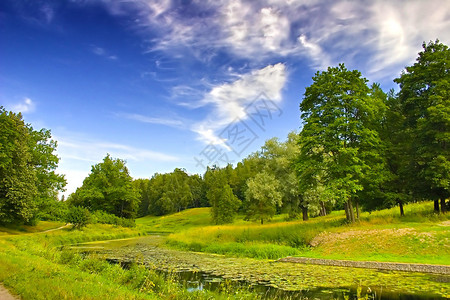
(143, 186)
(224, 204)
(262, 196)
(425, 104)
(169, 193)
(79, 217)
(339, 141)
(17, 185)
(99, 216)
(28, 183)
(109, 188)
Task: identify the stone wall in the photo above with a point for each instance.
(407, 267)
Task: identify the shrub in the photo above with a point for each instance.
(78, 216)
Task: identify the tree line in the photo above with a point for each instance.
(359, 147)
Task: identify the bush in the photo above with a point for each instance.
(102, 217)
(78, 216)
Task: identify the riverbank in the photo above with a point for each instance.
(265, 272)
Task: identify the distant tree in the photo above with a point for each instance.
(198, 191)
(424, 101)
(248, 168)
(143, 186)
(263, 197)
(109, 188)
(339, 133)
(176, 194)
(224, 204)
(278, 158)
(170, 192)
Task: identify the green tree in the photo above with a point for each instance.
(17, 176)
(224, 204)
(425, 103)
(49, 183)
(263, 197)
(109, 188)
(339, 133)
(176, 194)
(79, 217)
(143, 186)
(198, 190)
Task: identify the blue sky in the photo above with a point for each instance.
(165, 84)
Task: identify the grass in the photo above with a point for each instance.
(38, 266)
(189, 218)
(20, 229)
(419, 237)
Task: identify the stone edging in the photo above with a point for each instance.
(407, 267)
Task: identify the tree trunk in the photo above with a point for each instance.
(262, 221)
(443, 207)
(357, 209)
(402, 212)
(436, 206)
(305, 213)
(346, 211)
(323, 210)
(351, 212)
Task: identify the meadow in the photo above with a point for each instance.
(421, 236)
(37, 262)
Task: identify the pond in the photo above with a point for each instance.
(198, 271)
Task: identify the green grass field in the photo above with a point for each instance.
(36, 262)
(419, 237)
(40, 265)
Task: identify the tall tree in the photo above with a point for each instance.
(425, 102)
(29, 184)
(17, 179)
(338, 133)
(45, 162)
(109, 188)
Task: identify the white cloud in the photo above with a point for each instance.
(229, 100)
(26, 106)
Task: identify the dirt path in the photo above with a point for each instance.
(64, 226)
(6, 295)
(407, 267)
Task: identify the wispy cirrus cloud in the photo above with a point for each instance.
(153, 120)
(388, 32)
